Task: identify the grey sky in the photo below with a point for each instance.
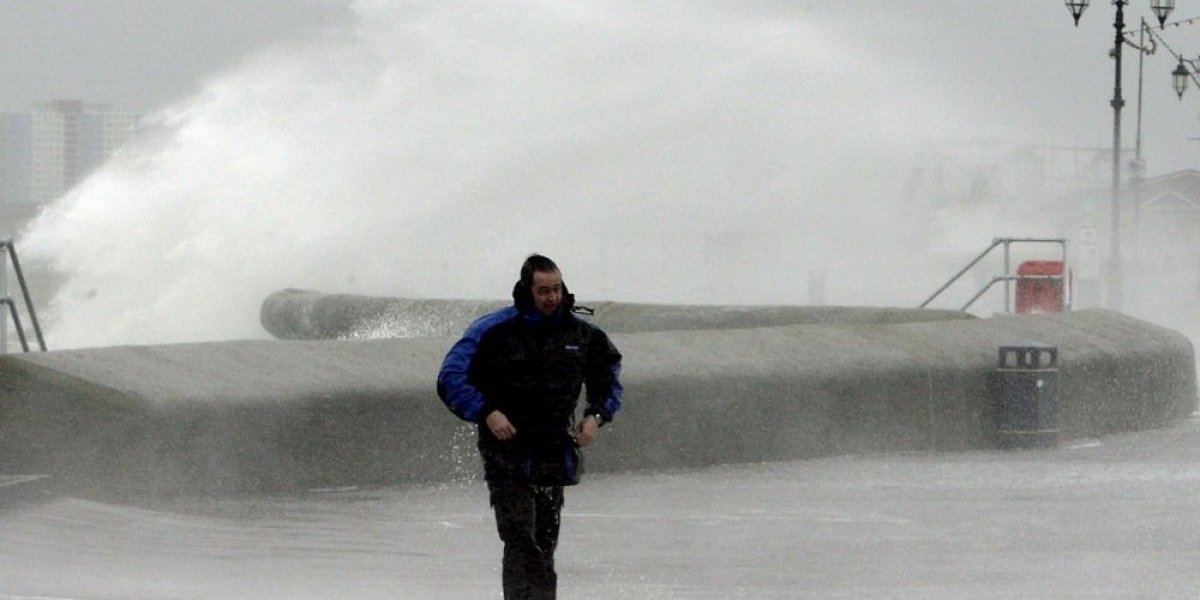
(1023, 58)
(141, 54)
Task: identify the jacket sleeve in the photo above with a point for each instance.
(603, 377)
(454, 385)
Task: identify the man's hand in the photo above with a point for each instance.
(500, 426)
(588, 428)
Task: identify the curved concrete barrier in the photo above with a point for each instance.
(277, 415)
(308, 315)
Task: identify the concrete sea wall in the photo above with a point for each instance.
(308, 315)
(287, 415)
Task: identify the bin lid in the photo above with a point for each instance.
(1030, 345)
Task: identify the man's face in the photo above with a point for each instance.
(547, 291)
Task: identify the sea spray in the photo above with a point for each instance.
(701, 156)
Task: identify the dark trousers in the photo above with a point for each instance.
(528, 519)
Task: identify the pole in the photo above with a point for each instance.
(1138, 167)
(1115, 295)
(1007, 281)
(5, 307)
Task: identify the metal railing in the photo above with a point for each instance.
(8, 247)
(1008, 277)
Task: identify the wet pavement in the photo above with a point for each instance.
(1117, 517)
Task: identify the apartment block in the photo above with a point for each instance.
(46, 151)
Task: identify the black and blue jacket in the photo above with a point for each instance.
(533, 368)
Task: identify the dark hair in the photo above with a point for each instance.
(536, 263)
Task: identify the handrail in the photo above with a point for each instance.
(1006, 278)
(995, 242)
(12, 309)
(37, 328)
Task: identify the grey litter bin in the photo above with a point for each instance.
(1026, 385)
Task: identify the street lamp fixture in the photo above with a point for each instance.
(1162, 9)
(1076, 7)
(1179, 78)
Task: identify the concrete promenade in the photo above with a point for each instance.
(1116, 517)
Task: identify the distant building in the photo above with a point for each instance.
(1166, 221)
(46, 151)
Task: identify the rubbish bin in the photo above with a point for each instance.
(1026, 384)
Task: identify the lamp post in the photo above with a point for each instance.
(1162, 9)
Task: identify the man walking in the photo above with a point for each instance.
(518, 373)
